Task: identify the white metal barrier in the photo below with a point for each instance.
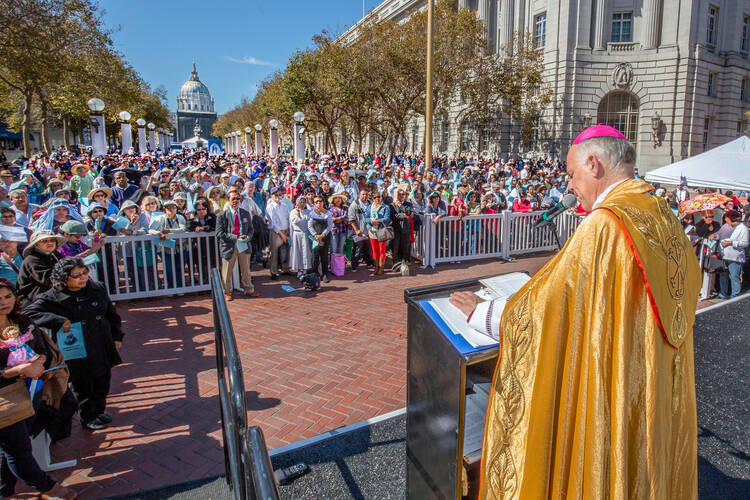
(488, 235)
(134, 267)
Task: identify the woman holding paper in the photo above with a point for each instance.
(82, 306)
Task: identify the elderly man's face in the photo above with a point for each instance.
(584, 178)
(19, 199)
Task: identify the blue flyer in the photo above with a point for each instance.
(71, 343)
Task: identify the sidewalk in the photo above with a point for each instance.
(312, 363)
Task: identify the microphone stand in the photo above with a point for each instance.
(553, 227)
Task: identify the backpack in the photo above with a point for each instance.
(311, 281)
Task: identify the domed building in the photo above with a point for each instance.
(194, 104)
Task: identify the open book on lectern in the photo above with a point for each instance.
(503, 286)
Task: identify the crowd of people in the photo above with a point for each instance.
(306, 218)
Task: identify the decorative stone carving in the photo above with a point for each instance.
(622, 76)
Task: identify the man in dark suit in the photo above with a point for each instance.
(234, 231)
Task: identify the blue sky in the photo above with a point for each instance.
(235, 43)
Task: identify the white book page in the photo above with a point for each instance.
(457, 321)
(506, 285)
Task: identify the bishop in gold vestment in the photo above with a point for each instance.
(593, 395)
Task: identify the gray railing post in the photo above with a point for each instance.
(505, 234)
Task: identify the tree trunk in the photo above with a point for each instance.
(66, 133)
(28, 99)
(45, 130)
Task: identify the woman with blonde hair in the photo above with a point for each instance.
(150, 208)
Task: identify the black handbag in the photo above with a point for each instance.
(712, 261)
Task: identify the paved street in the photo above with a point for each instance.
(312, 363)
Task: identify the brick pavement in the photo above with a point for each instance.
(311, 362)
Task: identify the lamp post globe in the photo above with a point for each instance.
(140, 122)
(95, 104)
(248, 130)
(299, 116)
(151, 126)
(273, 123)
(258, 127)
(125, 116)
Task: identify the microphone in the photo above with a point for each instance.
(568, 201)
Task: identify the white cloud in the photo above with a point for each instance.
(248, 60)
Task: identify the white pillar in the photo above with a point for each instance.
(98, 135)
(299, 143)
(519, 14)
(584, 24)
(483, 11)
(651, 14)
(273, 140)
(258, 142)
(463, 4)
(142, 140)
(127, 137)
(507, 13)
(238, 143)
(601, 23)
(151, 140)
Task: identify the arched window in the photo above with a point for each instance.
(620, 110)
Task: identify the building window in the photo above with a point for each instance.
(446, 134)
(711, 90)
(745, 43)
(712, 26)
(706, 133)
(745, 90)
(622, 27)
(619, 109)
(536, 125)
(540, 30)
(465, 135)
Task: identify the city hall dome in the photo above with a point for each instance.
(194, 95)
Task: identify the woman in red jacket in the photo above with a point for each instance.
(522, 203)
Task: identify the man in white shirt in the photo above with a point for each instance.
(278, 213)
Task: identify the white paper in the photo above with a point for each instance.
(457, 321)
(506, 285)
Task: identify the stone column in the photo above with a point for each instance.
(274, 142)
(506, 10)
(258, 142)
(519, 12)
(651, 18)
(463, 4)
(483, 11)
(584, 24)
(600, 27)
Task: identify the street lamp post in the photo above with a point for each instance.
(98, 129)
(273, 140)
(258, 139)
(238, 142)
(141, 123)
(428, 96)
(127, 135)
(248, 131)
(151, 136)
(299, 136)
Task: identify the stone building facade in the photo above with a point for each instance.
(673, 75)
(194, 104)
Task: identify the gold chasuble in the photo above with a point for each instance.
(593, 396)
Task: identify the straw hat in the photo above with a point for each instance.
(77, 167)
(105, 190)
(343, 195)
(44, 234)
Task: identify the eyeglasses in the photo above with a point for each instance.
(83, 273)
(318, 201)
(150, 203)
(8, 216)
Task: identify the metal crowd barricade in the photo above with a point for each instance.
(500, 235)
(134, 267)
(248, 466)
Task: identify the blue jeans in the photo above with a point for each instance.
(338, 240)
(734, 269)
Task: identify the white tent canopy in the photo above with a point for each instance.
(724, 167)
(192, 143)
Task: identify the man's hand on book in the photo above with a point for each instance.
(466, 302)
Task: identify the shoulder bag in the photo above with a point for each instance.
(385, 233)
(15, 403)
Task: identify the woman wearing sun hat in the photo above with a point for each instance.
(39, 257)
(102, 195)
